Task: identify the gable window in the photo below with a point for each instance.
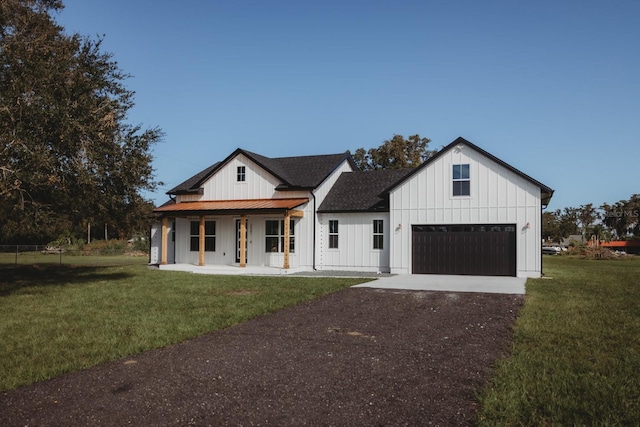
(209, 236)
(378, 234)
(274, 236)
(333, 234)
(242, 174)
(461, 180)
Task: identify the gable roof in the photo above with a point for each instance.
(362, 191)
(188, 185)
(295, 173)
(545, 192)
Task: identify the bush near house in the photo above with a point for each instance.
(105, 247)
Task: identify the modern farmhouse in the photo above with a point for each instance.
(463, 211)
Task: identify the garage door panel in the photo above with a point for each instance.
(487, 250)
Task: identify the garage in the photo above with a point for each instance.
(478, 249)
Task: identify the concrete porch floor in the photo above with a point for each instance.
(230, 269)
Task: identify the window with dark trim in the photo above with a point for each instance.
(461, 180)
(333, 234)
(242, 174)
(209, 236)
(378, 234)
(274, 236)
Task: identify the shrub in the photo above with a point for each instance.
(105, 247)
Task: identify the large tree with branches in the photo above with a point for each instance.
(68, 156)
(395, 153)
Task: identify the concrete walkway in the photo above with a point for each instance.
(416, 282)
(432, 282)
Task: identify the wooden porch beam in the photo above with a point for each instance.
(243, 240)
(163, 242)
(287, 236)
(201, 242)
(295, 213)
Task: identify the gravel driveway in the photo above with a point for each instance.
(358, 357)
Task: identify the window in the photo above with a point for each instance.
(242, 174)
(274, 236)
(333, 234)
(378, 234)
(461, 180)
(209, 236)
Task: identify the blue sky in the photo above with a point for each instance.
(551, 87)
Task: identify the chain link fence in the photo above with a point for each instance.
(24, 255)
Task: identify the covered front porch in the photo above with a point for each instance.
(233, 270)
(196, 226)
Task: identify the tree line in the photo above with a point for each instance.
(617, 221)
(68, 155)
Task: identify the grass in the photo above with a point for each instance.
(575, 358)
(55, 319)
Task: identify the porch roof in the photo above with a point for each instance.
(229, 207)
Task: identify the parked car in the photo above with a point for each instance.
(551, 250)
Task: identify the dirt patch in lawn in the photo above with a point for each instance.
(356, 357)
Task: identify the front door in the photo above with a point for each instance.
(238, 222)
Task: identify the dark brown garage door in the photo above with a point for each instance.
(482, 250)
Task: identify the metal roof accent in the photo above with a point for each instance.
(232, 206)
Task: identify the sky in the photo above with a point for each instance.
(550, 87)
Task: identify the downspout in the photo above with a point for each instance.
(150, 229)
(540, 239)
(315, 222)
(173, 237)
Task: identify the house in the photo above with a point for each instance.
(464, 211)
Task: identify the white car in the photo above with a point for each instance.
(551, 250)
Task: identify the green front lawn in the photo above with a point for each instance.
(576, 353)
(55, 319)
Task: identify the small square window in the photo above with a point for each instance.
(242, 174)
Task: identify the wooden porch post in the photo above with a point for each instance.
(201, 242)
(287, 238)
(243, 240)
(163, 242)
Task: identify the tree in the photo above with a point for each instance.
(68, 155)
(551, 226)
(395, 153)
(587, 215)
(633, 214)
(614, 218)
(568, 222)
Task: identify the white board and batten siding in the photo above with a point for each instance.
(497, 196)
(355, 249)
(258, 184)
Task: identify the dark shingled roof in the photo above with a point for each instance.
(303, 172)
(188, 185)
(362, 191)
